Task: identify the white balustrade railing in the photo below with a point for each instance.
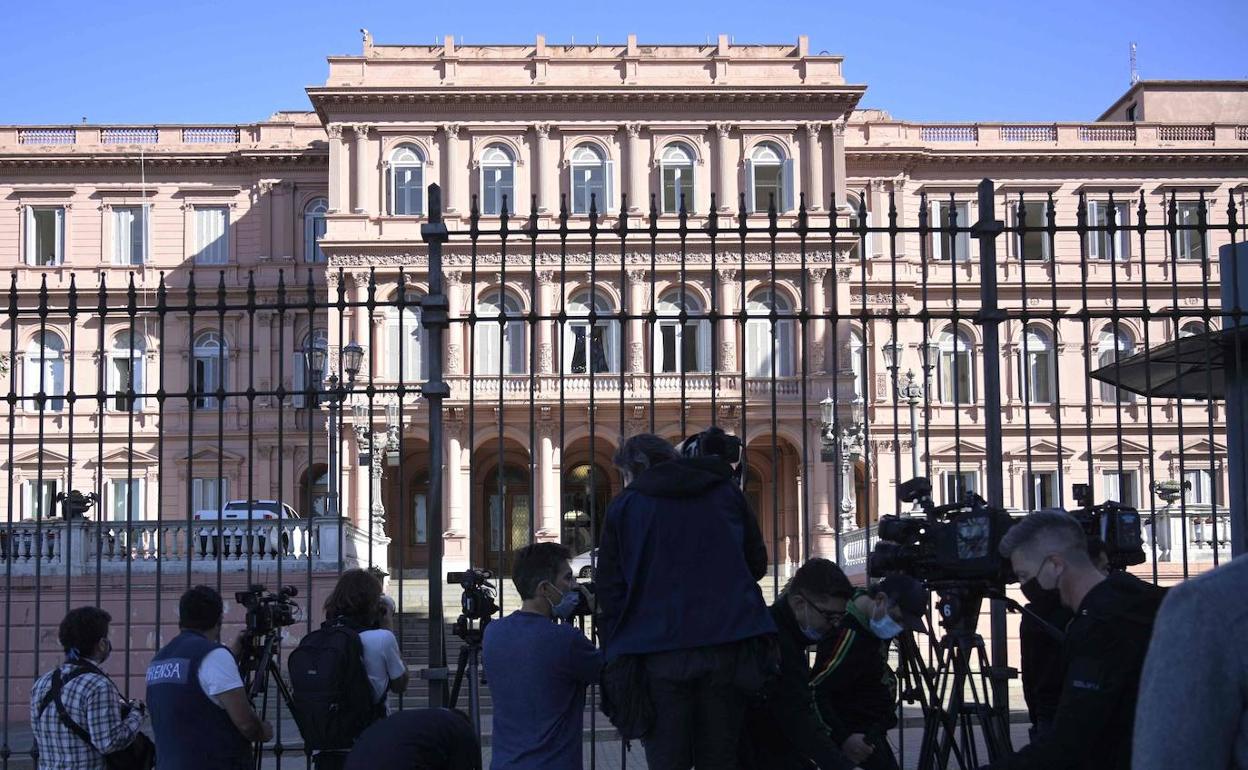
(129, 135)
(1029, 133)
(210, 136)
(47, 136)
(949, 133)
(856, 545)
(1185, 133)
(1107, 133)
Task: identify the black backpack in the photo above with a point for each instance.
(332, 698)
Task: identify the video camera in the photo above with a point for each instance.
(268, 611)
(715, 442)
(949, 543)
(477, 600)
(1116, 525)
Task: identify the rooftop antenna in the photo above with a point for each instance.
(1135, 70)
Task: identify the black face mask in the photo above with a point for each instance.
(1037, 595)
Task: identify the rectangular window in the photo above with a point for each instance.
(589, 186)
(1100, 244)
(496, 190)
(958, 484)
(950, 246)
(126, 499)
(1121, 487)
(677, 181)
(589, 346)
(1202, 487)
(127, 374)
(212, 235)
(1041, 490)
(1033, 244)
(45, 235)
(208, 493)
(41, 498)
(129, 234)
(768, 186)
(1189, 244)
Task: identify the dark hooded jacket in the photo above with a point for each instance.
(679, 562)
(1102, 658)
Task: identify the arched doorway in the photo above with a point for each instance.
(314, 491)
(586, 493)
(771, 488)
(506, 515)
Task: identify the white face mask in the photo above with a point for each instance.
(885, 627)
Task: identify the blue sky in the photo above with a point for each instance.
(128, 61)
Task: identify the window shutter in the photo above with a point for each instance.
(1124, 234)
(704, 346)
(788, 203)
(515, 347)
(749, 192)
(31, 257)
(608, 187)
(393, 348)
(30, 371)
(757, 348)
(136, 374)
(298, 380)
(59, 255)
(1094, 245)
(487, 343)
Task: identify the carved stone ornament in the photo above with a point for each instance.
(633, 129)
(542, 130)
(725, 355)
(454, 360)
(451, 129)
(813, 129)
(334, 130)
(544, 360)
(635, 355)
(723, 129)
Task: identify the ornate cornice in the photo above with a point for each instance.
(554, 259)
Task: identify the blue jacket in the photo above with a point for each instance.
(679, 562)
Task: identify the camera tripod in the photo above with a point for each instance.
(469, 666)
(258, 665)
(955, 697)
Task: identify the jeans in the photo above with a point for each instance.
(699, 707)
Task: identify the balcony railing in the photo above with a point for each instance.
(1029, 133)
(949, 133)
(129, 136)
(47, 136)
(210, 136)
(1107, 133)
(1185, 133)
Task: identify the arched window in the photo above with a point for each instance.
(498, 172)
(591, 179)
(45, 372)
(957, 375)
(407, 181)
(1192, 329)
(497, 339)
(590, 345)
(314, 229)
(770, 175)
(125, 371)
(1110, 348)
(405, 356)
(306, 382)
(676, 168)
(1036, 357)
(210, 353)
(769, 346)
(681, 346)
(856, 365)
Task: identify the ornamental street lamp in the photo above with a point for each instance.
(334, 393)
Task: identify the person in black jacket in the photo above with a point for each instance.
(1103, 654)
(679, 562)
(782, 730)
(855, 690)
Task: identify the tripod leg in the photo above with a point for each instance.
(459, 676)
(474, 687)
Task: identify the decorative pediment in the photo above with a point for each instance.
(1042, 450)
(122, 456)
(212, 455)
(963, 447)
(49, 457)
(1125, 447)
(1198, 450)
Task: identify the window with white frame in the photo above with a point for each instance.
(407, 181)
(306, 383)
(769, 344)
(130, 228)
(39, 498)
(125, 371)
(947, 245)
(956, 372)
(314, 230)
(499, 341)
(209, 354)
(590, 345)
(420, 519)
(1110, 349)
(681, 346)
(1203, 487)
(769, 174)
(125, 499)
(1189, 241)
(405, 359)
(209, 493)
(498, 174)
(44, 372)
(1038, 370)
(212, 235)
(45, 235)
(857, 365)
(591, 180)
(1042, 491)
(957, 484)
(1031, 241)
(1121, 486)
(676, 170)
(1101, 244)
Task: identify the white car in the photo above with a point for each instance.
(583, 565)
(263, 516)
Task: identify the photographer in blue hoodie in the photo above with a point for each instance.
(679, 562)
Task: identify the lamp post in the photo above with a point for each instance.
(334, 394)
(378, 450)
(840, 441)
(910, 391)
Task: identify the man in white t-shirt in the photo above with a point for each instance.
(386, 670)
(205, 721)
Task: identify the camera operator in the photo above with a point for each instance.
(678, 565)
(76, 713)
(1104, 649)
(1040, 651)
(387, 672)
(538, 669)
(855, 690)
(201, 717)
(782, 730)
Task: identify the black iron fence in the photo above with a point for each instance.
(446, 403)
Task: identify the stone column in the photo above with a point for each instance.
(819, 325)
(548, 486)
(638, 285)
(899, 198)
(546, 289)
(728, 305)
(339, 170)
(455, 289)
(546, 171)
(455, 521)
(838, 161)
(820, 489)
(638, 200)
(814, 167)
(451, 171)
(726, 162)
(360, 155)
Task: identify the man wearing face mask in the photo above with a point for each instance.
(855, 690)
(782, 730)
(1103, 653)
(538, 668)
